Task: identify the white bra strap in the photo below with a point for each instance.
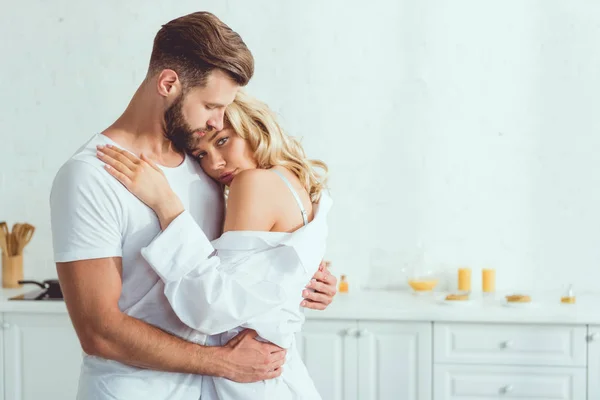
(289, 185)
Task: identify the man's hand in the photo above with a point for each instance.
(324, 285)
(249, 360)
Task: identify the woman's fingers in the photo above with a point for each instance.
(150, 162)
(313, 305)
(323, 288)
(115, 164)
(119, 175)
(317, 297)
(118, 159)
(124, 153)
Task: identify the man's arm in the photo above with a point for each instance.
(86, 215)
(91, 290)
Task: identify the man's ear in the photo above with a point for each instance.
(168, 84)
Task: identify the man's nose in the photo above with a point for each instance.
(216, 120)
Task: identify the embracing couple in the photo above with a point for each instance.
(188, 236)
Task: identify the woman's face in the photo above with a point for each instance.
(224, 154)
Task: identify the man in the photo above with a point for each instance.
(135, 346)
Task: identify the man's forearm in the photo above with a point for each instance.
(134, 342)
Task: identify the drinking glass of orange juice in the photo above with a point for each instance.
(464, 279)
(488, 280)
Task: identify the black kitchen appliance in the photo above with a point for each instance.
(49, 290)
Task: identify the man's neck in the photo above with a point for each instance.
(140, 129)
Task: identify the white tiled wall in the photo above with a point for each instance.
(468, 126)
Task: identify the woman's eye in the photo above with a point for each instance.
(200, 156)
(222, 141)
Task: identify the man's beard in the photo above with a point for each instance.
(177, 130)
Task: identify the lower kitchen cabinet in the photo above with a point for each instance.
(329, 350)
(483, 382)
(510, 344)
(352, 360)
(1, 357)
(42, 357)
(394, 360)
(519, 361)
(593, 371)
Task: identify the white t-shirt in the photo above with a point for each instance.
(94, 216)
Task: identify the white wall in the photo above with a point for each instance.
(468, 125)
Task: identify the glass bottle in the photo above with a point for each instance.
(343, 285)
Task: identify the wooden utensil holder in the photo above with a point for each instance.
(12, 271)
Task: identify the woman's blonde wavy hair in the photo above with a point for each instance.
(256, 123)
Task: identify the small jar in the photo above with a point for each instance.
(343, 285)
(569, 297)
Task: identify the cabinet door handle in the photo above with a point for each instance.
(362, 333)
(507, 389)
(506, 344)
(5, 325)
(350, 332)
(593, 336)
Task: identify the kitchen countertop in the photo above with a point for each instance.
(404, 306)
(545, 308)
(29, 306)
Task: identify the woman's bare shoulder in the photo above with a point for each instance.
(250, 201)
(253, 182)
(264, 183)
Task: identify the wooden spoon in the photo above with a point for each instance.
(7, 238)
(25, 234)
(15, 239)
(3, 240)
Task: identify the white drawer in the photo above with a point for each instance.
(558, 345)
(480, 382)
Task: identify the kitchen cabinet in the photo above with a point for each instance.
(490, 361)
(329, 350)
(593, 371)
(352, 359)
(510, 344)
(394, 360)
(359, 360)
(1, 356)
(42, 356)
(482, 382)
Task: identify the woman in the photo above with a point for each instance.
(274, 238)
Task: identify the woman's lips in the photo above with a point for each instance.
(226, 178)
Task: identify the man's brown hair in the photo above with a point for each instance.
(196, 44)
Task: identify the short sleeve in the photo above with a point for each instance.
(86, 214)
